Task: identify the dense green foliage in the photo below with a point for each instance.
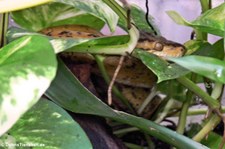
(30, 69)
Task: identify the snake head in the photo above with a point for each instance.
(160, 46)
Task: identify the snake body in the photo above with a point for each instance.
(135, 77)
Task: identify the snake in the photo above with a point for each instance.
(134, 77)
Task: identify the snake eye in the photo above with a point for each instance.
(158, 46)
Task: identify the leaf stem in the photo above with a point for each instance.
(125, 130)
(217, 90)
(202, 111)
(4, 21)
(210, 125)
(149, 141)
(215, 118)
(210, 101)
(1, 29)
(165, 111)
(205, 4)
(184, 110)
(133, 146)
(147, 100)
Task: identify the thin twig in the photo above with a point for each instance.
(114, 78)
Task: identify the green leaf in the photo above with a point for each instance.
(212, 21)
(177, 18)
(197, 47)
(54, 14)
(206, 66)
(218, 50)
(47, 125)
(173, 89)
(138, 16)
(105, 45)
(67, 91)
(213, 140)
(204, 48)
(96, 8)
(6, 6)
(27, 67)
(162, 69)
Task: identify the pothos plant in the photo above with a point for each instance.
(30, 69)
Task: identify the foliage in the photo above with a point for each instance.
(29, 70)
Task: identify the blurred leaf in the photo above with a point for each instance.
(193, 129)
(218, 49)
(212, 21)
(96, 8)
(206, 66)
(197, 47)
(177, 18)
(173, 89)
(213, 141)
(14, 33)
(162, 69)
(28, 65)
(67, 91)
(44, 124)
(54, 14)
(12, 5)
(203, 48)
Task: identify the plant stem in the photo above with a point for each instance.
(125, 130)
(217, 90)
(210, 125)
(210, 101)
(100, 61)
(149, 141)
(161, 107)
(201, 111)
(214, 119)
(147, 100)
(205, 4)
(165, 111)
(133, 146)
(6, 23)
(158, 131)
(184, 113)
(184, 110)
(1, 29)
